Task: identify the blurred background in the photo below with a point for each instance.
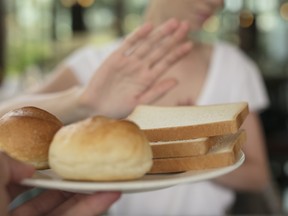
(38, 34)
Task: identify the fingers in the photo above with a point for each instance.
(140, 42)
(171, 47)
(87, 205)
(135, 37)
(12, 170)
(14, 190)
(168, 45)
(157, 91)
(42, 204)
(171, 58)
(155, 38)
(54, 203)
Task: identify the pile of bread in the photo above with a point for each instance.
(192, 137)
(151, 140)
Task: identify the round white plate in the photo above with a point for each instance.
(49, 180)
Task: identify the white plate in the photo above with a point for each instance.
(49, 180)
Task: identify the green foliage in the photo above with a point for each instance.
(20, 57)
(29, 29)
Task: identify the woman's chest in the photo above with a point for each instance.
(191, 80)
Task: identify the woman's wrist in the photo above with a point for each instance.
(72, 109)
(89, 104)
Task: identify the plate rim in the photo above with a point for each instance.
(133, 185)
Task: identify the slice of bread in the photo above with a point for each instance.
(182, 148)
(188, 122)
(223, 153)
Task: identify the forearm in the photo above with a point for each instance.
(250, 176)
(64, 105)
(254, 174)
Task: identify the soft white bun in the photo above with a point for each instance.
(26, 134)
(100, 149)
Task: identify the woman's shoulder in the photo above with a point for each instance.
(225, 47)
(94, 49)
(231, 54)
(235, 69)
(230, 50)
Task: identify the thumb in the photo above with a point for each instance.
(13, 170)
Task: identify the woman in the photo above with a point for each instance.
(208, 74)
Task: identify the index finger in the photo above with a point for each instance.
(87, 205)
(146, 31)
(135, 36)
(12, 170)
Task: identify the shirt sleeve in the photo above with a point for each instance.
(249, 85)
(85, 61)
(233, 77)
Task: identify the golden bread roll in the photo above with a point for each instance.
(100, 149)
(26, 134)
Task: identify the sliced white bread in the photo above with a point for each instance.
(182, 148)
(223, 153)
(162, 123)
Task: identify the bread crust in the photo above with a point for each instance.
(100, 149)
(26, 134)
(170, 132)
(181, 148)
(216, 157)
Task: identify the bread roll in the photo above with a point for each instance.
(26, 134)
(100, 149)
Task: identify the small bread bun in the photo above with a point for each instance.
(26, 134)
(100, 149)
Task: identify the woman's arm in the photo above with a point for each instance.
(62, 78)
(126, 78)
(63, 104)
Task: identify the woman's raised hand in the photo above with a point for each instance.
(129, 76)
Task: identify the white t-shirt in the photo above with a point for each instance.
(85, 61)
(231, 77)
